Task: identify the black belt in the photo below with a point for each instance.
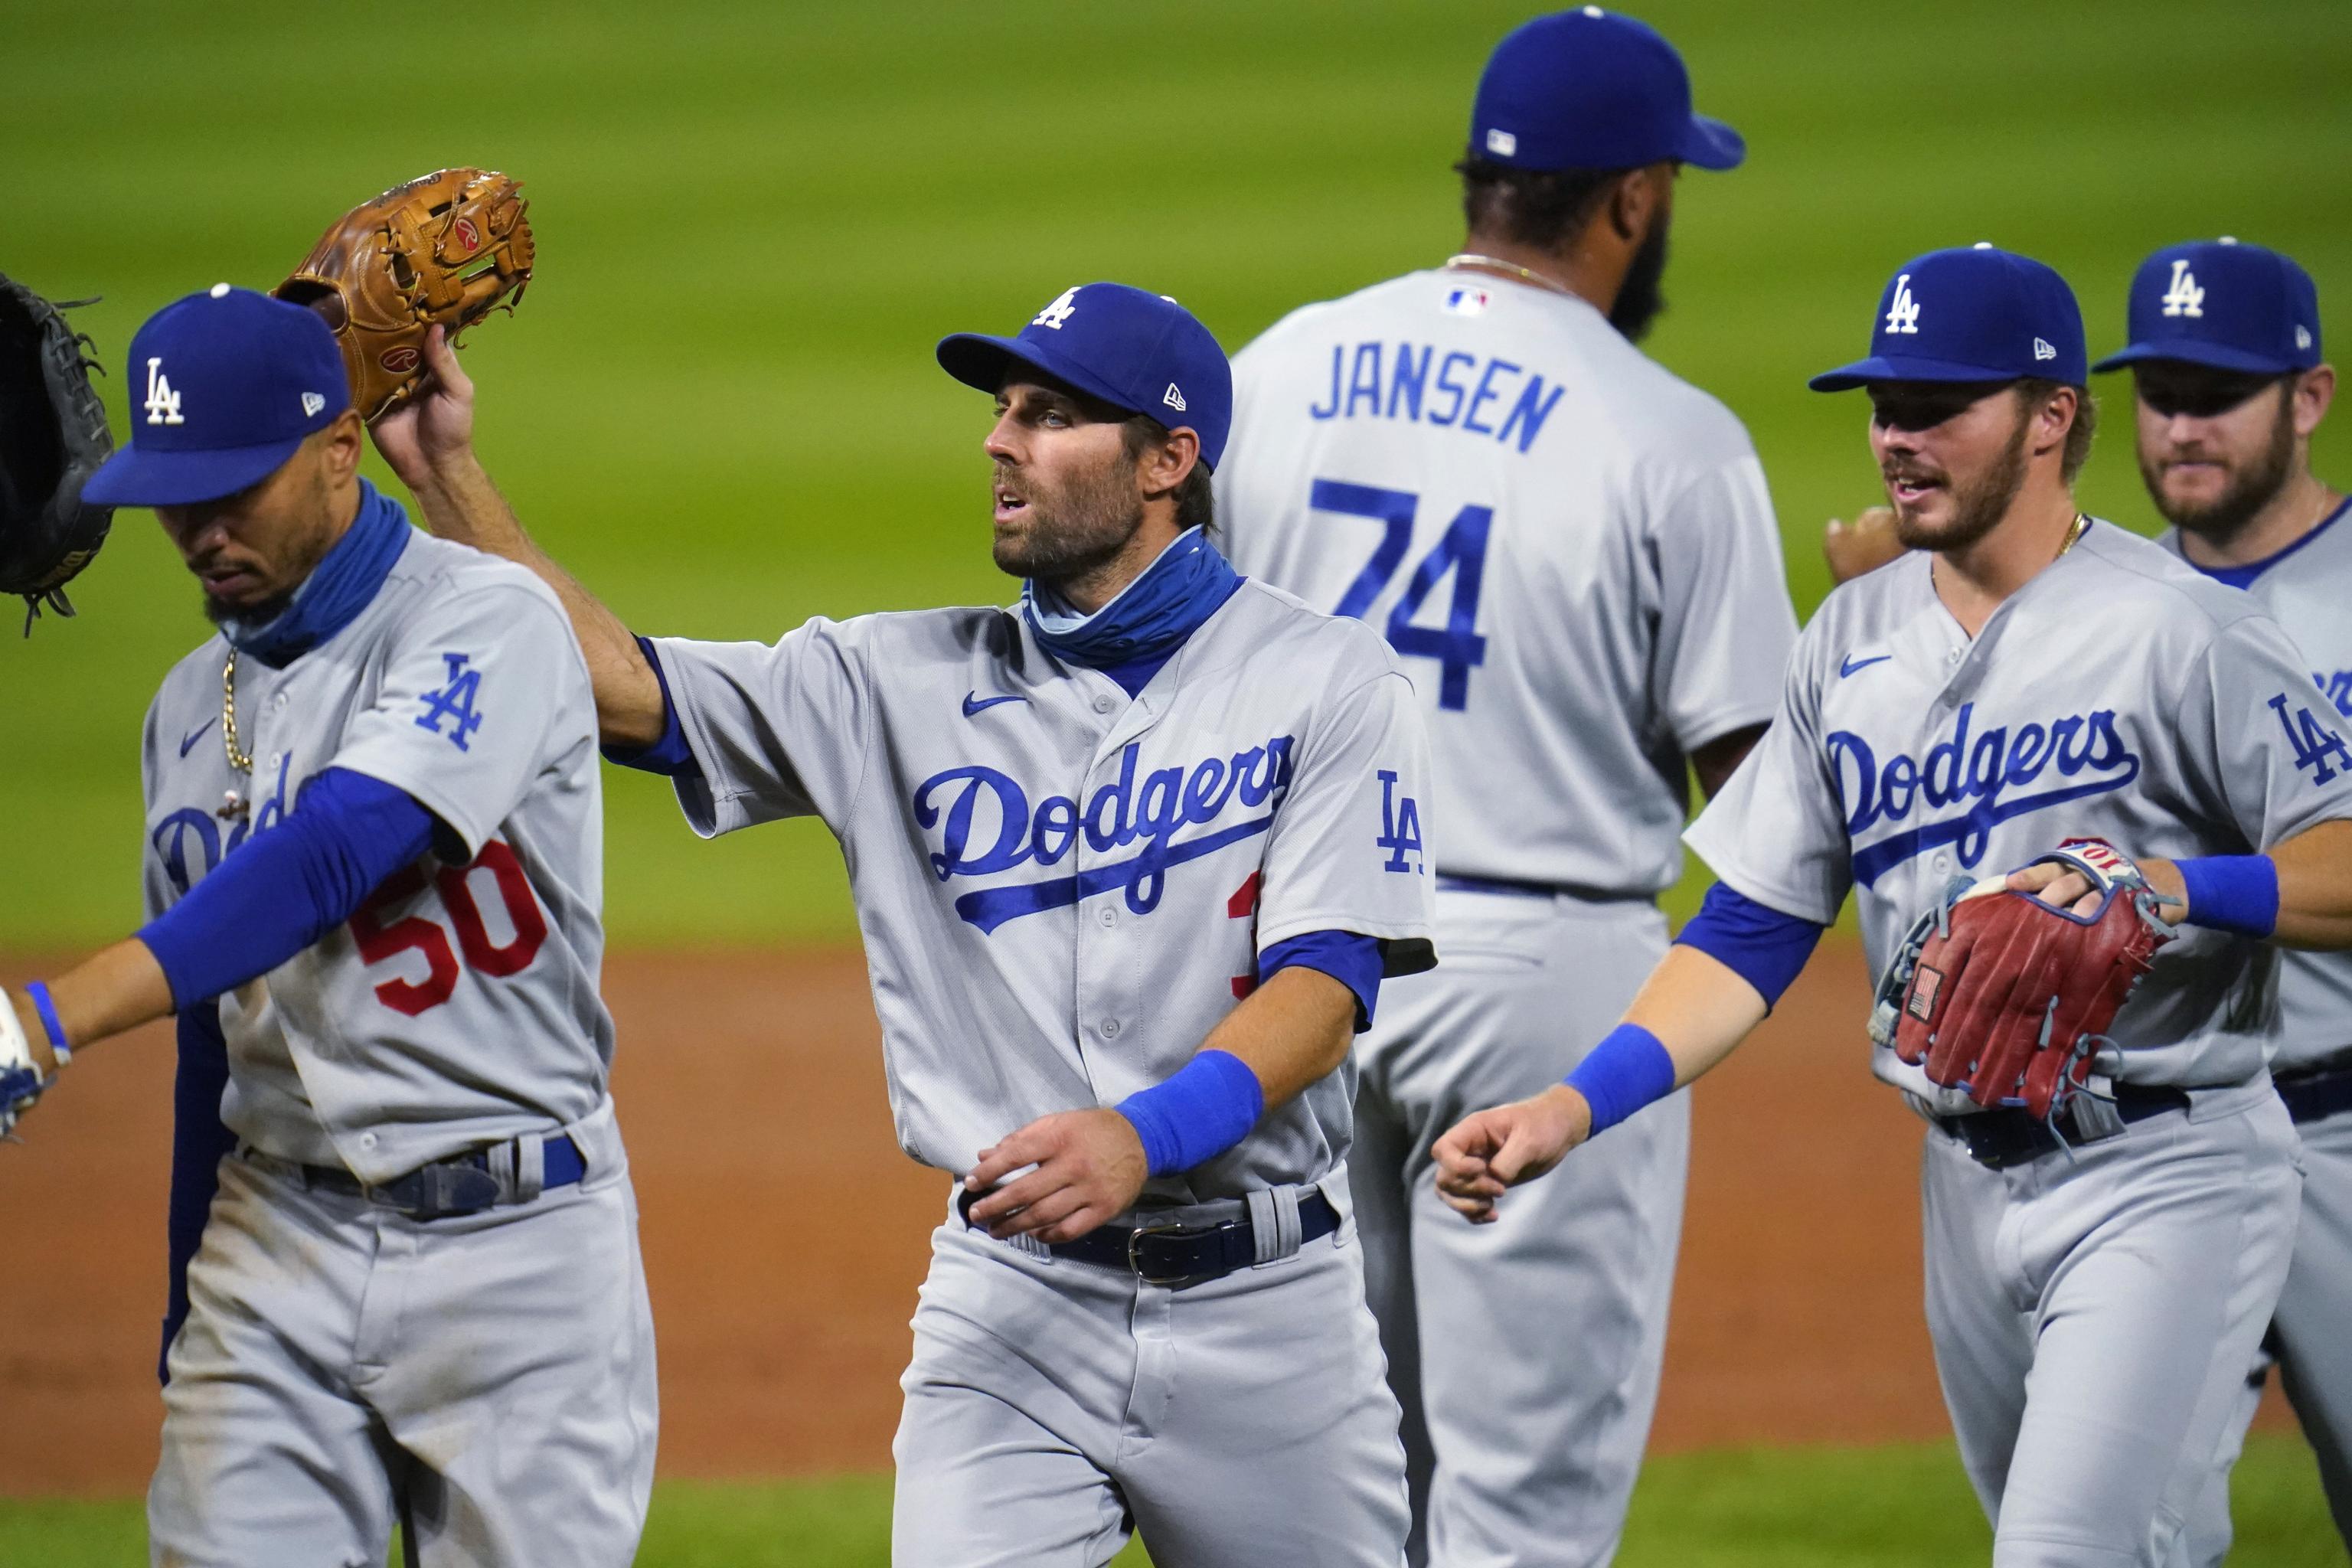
(1180, 1255)
(2316, 1094)
(1512, 887)
(462, 1184)
(2011, 1135)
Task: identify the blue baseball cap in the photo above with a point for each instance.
(1593, 90)
(2217, 302)
(226, 384)
(1977, 313)
(1135, 349)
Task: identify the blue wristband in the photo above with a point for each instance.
(1627, 1070)
(1209, 1106)
(2232, 893)
(50, 1025)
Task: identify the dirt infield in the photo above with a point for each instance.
(784, 1235)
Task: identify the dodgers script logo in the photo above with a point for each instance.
(986, 827)
(1989, 775)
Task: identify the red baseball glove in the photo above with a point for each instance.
(2008, 997)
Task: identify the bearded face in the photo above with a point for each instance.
(1068, 501)
(1953, 456)
(2215, 447)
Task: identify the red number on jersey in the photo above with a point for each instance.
(414, 933)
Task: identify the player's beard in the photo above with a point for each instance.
(305, 549)
(1074, 528)
(1640, 299)
(1977, 507)
(2249, 490)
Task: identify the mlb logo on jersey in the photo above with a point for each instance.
(1467, 301)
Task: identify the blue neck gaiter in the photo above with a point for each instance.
(337, 589)
(1151, 616)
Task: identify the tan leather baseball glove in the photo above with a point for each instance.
(448, 248)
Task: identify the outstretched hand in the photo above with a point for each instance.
(1865, 545)
(435, 427)
(1490, 1150)
(1088, 1168)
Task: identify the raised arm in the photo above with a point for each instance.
(429, 443)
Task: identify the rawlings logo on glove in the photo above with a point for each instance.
(2010, 997)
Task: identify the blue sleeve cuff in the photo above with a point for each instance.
(1209, 1106)
(1352, 960)
(2236, 893)
(670, 755)
(286, 888)
(1758, 944)
(1628, 1069)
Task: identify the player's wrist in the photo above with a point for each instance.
(1204, 1108)
(1630, 1068)
(2234, 893)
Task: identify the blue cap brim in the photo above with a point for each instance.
(978, 360)
(1902, 367)
(2212, 356)
(1712, 144)
(134, 477)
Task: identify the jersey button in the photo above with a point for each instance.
(1110, 1028)
(279, 702)
(1103, 705)
(367, 1139)
(1109, 916)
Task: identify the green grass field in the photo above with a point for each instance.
(1815, 1508)
(719, 402)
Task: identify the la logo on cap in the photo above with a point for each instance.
(163, 403)
(1064, 307)
(2184, 298)
(1904, 315)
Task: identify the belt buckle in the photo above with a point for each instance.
(1135, 1261)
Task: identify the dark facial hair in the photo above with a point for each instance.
(2249, 490)
(1075, 527)
(1977, 507)
(1642, 298)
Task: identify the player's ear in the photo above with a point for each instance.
(342, 443)
(1637, 203)
(1164, 464)
(2314, 391)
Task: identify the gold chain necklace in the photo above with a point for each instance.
(237, 759)
(2074, 530)
(1471, 261)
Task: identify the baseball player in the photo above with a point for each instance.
(1575, 554)
(1130, 860)
(2097, 1281)
(373, 864)
(2229, 386)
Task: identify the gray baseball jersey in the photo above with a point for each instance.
(1062, 890)
(2117, 695)
(2307, 588)
(459, 1006)
(1573, 550)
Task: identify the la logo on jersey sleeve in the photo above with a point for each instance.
(1400, 827)
(453, 702)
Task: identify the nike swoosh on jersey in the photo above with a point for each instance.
(973, 702)
(1849, 664)
(193, 736)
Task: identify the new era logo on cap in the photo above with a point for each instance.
(1173, 398)
(2042, 349)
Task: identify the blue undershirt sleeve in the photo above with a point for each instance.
(670, 755)
(1352, 960)
(198, 1143)
(1756, 941)
(285, 889)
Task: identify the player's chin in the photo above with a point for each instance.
(1923, 515)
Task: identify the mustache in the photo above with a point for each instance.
(1912, 473)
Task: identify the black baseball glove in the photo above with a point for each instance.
(53, 436)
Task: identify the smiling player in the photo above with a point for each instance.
(2096, 1281)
